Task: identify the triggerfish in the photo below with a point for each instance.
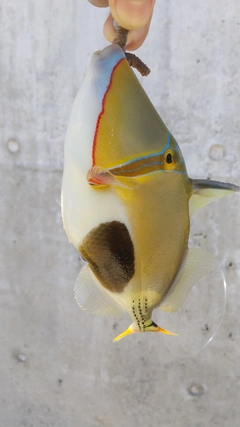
(127, 199)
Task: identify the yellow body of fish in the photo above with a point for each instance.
(127, 199)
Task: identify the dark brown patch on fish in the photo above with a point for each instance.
(109, 251)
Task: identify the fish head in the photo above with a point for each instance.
(129, 139)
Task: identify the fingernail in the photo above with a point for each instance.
(131, 14)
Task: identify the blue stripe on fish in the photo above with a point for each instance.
(146, 157)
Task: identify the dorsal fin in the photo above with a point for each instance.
(206, 191)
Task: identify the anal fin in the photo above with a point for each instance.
(196, 265)
(89, 295)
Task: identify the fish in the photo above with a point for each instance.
(127, 200)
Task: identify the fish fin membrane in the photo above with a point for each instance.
(196, 265)
(154, 328)
(98, 176)
(199, 320)
(90, 296)
(207, 191)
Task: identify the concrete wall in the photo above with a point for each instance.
(58, 365)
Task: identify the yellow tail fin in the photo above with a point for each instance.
(124, 334)
(151, 328)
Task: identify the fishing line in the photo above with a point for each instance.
(200, 318)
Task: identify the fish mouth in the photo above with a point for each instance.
(113, 50)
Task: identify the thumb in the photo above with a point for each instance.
(131, 14)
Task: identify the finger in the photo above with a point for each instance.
(99, 3)
(131, 14)
(135, 37)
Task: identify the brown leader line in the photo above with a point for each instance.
(132, 59)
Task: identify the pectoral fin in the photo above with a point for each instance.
(90, 297)
(101, 177)
(196, 264)
(207, 191)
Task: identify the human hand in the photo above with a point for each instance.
(134, 15)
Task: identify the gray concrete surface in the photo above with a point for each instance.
(58, 365)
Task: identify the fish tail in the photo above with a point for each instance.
(125, 333)
(153, 327)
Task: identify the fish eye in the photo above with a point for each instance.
(171, 159)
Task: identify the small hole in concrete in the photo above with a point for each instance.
(216, 152)
(196, 389)
(13, 146)
(21, 357)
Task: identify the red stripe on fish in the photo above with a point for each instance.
(101, 113)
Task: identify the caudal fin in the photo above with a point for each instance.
(153, 327)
